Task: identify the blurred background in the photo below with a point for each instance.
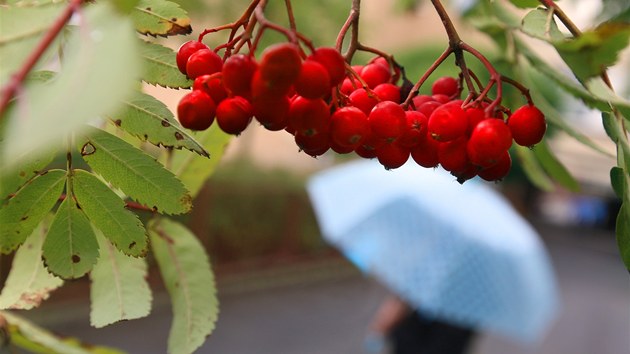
(282, 289)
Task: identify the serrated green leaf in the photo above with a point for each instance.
(24, 211)
(150, 120)
(29, 167)
(554, 168)
(623, 232)
(186, 271)
(590, 54)
(539, 24)
(194, 170)
(135, 173)
(99, 62)
(29, 283)
(70, 248)
(160, 67)
(35, 339)
(160, 18)
(107, 212)
(619, 181)
(532, 169)
(119, 288)
(21, 28)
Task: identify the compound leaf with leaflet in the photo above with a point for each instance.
(107, 212)
(186, 271)
(29, 283)
(119, 288)
(149, 119)
(28, 207)
(160, 67)
(70, 248)
(134, 172)
(160, 18)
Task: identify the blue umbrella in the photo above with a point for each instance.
(457, 252)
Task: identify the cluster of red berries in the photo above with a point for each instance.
(325, 107)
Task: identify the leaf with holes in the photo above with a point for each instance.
(28, 207)
(194, 170)
(186, 271)
(160, 18)
(70, 248)
(135, 173)
(29, 283)
(119, 288)
(107, 212)
(160, 67)
(150, 120)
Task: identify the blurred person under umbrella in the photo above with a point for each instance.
(458, 255)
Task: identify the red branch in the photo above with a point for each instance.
(9, 91)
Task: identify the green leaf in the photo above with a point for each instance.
(590, 54)
(186, 271)
(623, 232)
(29, 167)
(539, 24)
(160, 18)
(160, 67)
(24, 211)
(532, 169)
(107, 212)
(27, 335)
(150, 120)
(619, 181)
(554, 168)
(524, 4)
(99, 61)
(119, 288)
(135, 173)
(611, 126)
(29, 283)
(601, 91)
(21, 28)
(125, 6)
(194, 170)
(70, 249)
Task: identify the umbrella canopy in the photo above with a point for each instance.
(457, 252)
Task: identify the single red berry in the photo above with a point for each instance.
(392, 155)
(280, 64)
(474, 116)
(368, 148)
(185, 51)
(425, 153)
(340, 149)
(528, 125)
(309, 116)
(196, 110)
(416, 129)
(499, 170)
(448, 122)
(348, 86)
(453, 156)
(428, 107)
(238, 71)
(203, 62)
(488, 141)
(420, 99)
(333, 61)
(272, 111)
(211, 85)
(441, 98)
(313, 81)
(349, 127)
(387, 120)
(314, 145)
(234, 115)
(446, 85)
(387, 92)
(363, 100)
(375, 74)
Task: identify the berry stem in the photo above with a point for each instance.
(352, 22)
(16, 80)
(415, 89)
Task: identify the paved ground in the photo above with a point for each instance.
(323, 309)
